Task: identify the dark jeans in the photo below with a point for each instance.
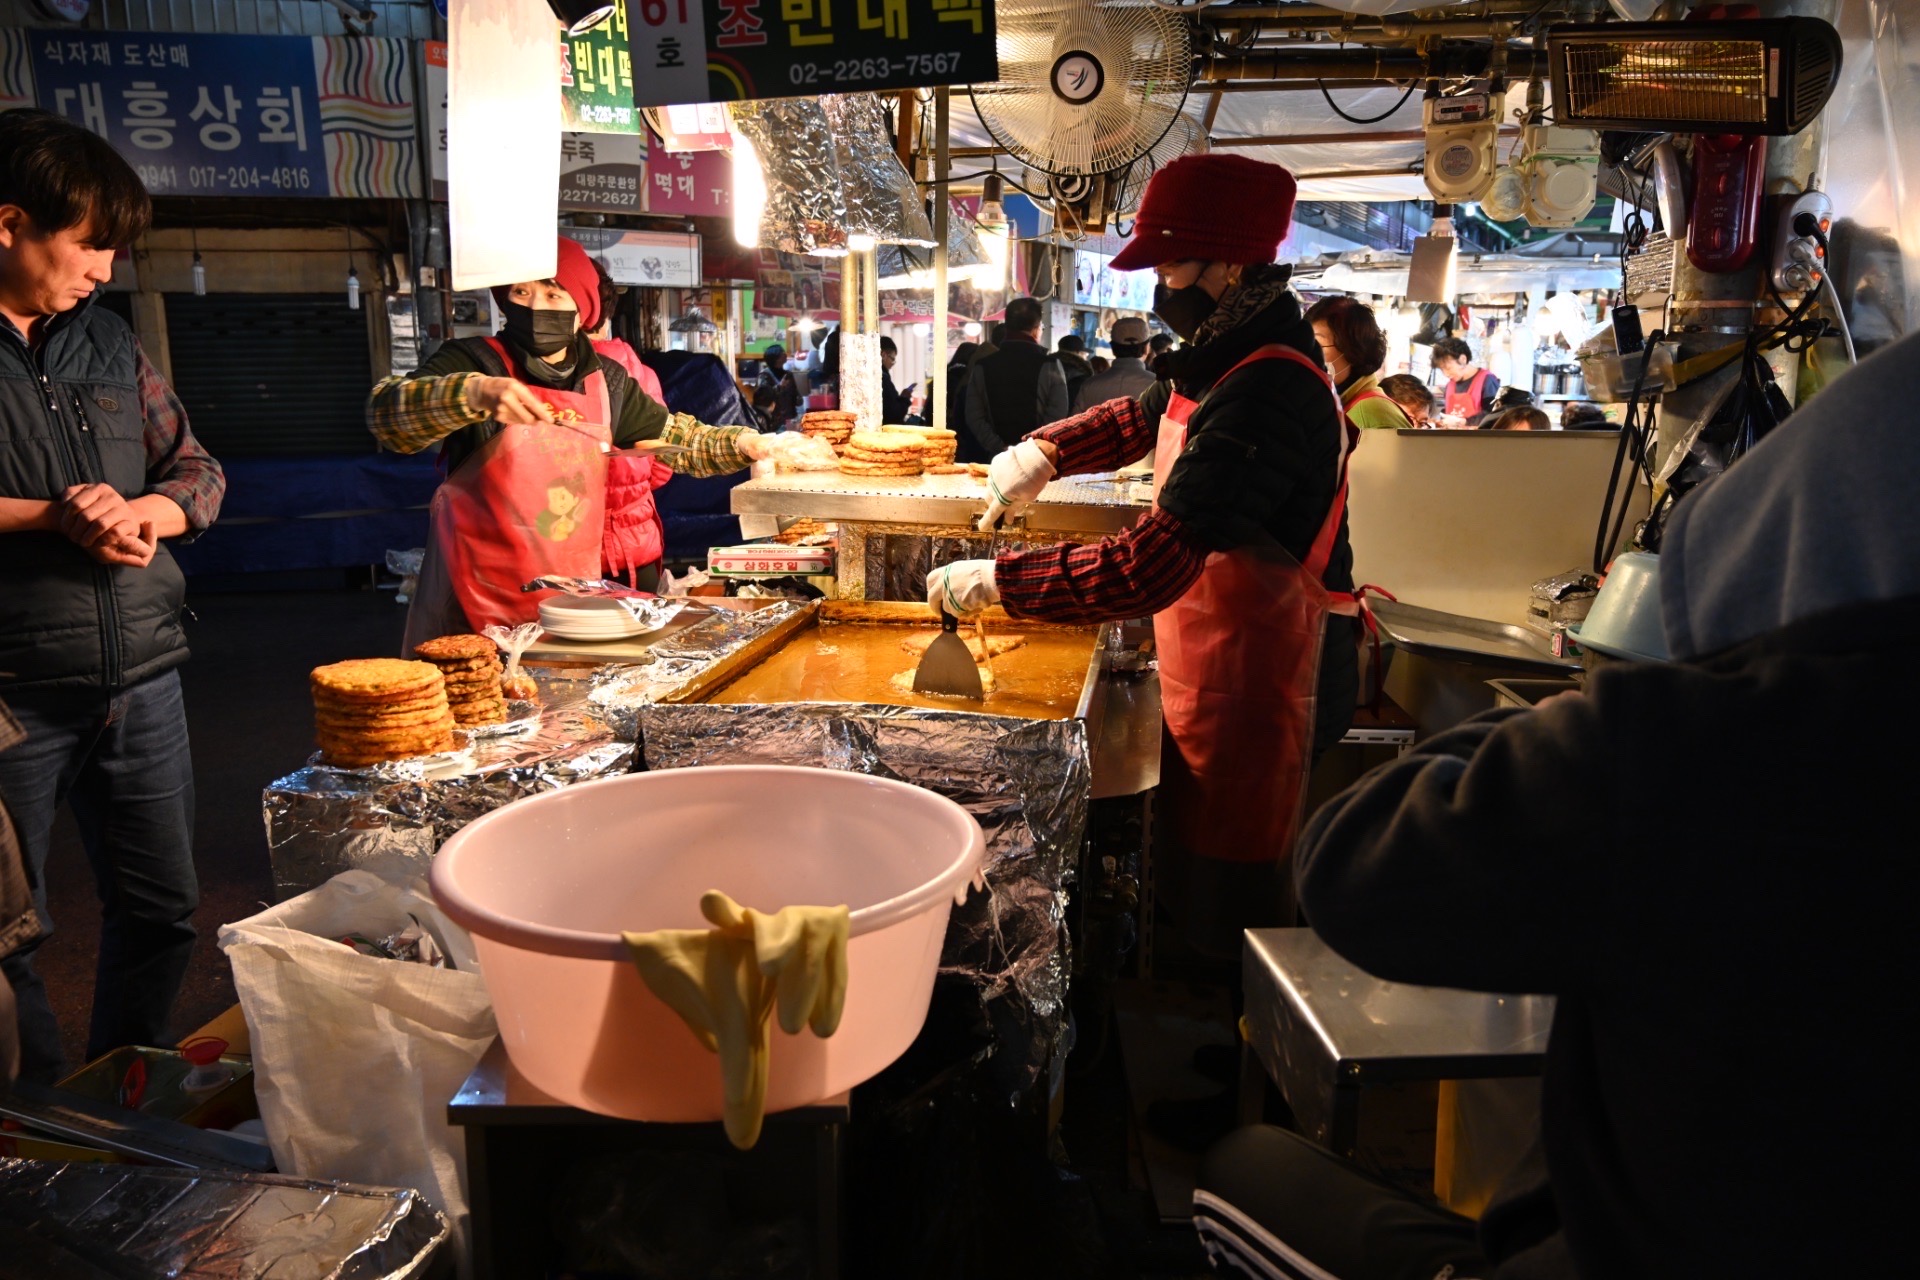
(123, 764)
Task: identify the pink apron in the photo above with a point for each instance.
(1239, 669)
(530, 501)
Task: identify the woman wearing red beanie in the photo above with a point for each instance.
(524, 420)
(1243, 562)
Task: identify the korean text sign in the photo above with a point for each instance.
(728, 50)
(235, 115)
(596, 78)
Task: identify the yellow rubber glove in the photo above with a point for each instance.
(725, 982)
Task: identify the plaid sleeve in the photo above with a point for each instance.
(408, 415)
(177, 466)
(1134, 575)
(715, 450)
(1104, 438)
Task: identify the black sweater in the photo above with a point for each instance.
(1713, 867)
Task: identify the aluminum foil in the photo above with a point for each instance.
(882, 201)
(390, 819)
(82, 1220)
(806, 208)
(618, 693)
(1029, 783)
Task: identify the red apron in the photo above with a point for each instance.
(1239, 668)
(527, 503)
(1466, 404)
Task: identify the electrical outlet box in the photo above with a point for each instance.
(1799, 262)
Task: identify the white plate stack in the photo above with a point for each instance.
(588, 618)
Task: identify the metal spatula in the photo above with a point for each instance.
(948, 667)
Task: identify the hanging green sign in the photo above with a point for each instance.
(596, 78)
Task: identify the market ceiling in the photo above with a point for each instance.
(1267, 78)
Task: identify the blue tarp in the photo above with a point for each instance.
(315, 513)
(340, 512)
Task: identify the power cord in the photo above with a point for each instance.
(1365, 119)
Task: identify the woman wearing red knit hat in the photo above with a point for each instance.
(1243, 562)
(524, 420)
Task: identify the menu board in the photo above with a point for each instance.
(729, 50)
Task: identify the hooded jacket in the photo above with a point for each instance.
(1704, 861)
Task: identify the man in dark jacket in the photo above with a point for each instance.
(1703, 860)
(1071, 354)
(96, 467)
(1016, 388)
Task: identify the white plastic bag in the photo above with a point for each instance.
(355, 1057)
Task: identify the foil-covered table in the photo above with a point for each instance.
(1028, 782)
(392, 818)
(82, 1220)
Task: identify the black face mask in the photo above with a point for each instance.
(1184, 310)
(539, 331)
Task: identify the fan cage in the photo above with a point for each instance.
(1147, 57)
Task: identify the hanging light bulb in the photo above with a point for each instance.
(994, 233)
(749, 193)
(199, 268)
(353, 276)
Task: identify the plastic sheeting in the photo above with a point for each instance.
(1873, 167)
(503, 142)
(1029, 783)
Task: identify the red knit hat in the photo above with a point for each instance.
(577, 276)
(1214, 207)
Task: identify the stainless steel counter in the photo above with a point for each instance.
(1096, 504)
(1324, 1029)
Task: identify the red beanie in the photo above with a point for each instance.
(1214, 207)
(578, 276)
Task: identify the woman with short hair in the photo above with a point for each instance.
(1355, 349)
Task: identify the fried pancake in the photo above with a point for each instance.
(885, 442)
(467, 646)
(405, 735)
(364, 707)
(350, 759)
(374, 678)
(903, 681)
(345, 722)
(917, 644)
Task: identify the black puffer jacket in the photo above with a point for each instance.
(1262, 458)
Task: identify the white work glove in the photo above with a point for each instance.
(1014, 480)
(963, 587)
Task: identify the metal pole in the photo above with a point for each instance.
(849, 295)
(942, 163)
(870, 291)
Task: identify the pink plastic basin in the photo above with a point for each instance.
(547, 884)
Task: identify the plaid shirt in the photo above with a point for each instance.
(1134, 575)
(409, 415)
(177, 466)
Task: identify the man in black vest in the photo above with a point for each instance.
(96, 467)
(1018, 388)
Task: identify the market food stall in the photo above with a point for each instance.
(529, 769)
